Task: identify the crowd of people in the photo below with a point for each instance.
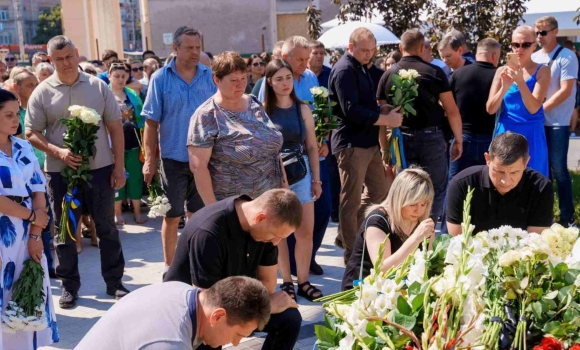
(218, 131)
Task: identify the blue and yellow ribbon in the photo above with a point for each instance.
(397, 150)
(69, 204)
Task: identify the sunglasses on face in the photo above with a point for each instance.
(524, 45)
(258, 64)
(544, 32)
(10, 59)
(137, 69)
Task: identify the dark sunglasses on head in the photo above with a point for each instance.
(544, 32)
(137, 69)
(524, 45)
(10, 59)
(258, 64)
(44, 61)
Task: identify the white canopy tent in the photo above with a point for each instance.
(339, 36)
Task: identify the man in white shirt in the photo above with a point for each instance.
(558, 108)
(177, 316)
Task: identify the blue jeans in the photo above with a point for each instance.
(322, 209)
(558, 138)
(474, 146)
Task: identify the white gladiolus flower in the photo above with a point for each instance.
(454, 250)
(75, 111)
(368, 293)
(347, 342)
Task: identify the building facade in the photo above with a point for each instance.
(131, 25)
(30, 10)
(244, 26)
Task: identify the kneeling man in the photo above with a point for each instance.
(237, 237)
(506, 192)
(177, 316)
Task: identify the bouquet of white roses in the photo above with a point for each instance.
(25, 312)
(324, 120)
(80, 139)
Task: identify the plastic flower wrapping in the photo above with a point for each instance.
(502, 289)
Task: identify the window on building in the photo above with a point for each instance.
(5, 38)
(130, 36)
(4, 14)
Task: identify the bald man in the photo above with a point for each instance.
(150, 66)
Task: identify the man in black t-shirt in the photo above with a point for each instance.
(423, 141)
(237, 237)
(451, 52)
(505, 191)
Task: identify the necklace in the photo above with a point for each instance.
(6, 148)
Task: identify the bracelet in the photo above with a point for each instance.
(37, 238)
(31, 215)
(34, 218)
(317, 182)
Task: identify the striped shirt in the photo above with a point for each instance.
(171, 102)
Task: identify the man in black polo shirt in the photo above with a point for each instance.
(237, 237)
(506, 192)
(470, 86)
(423, 140)
(451, 52)
(356, 141)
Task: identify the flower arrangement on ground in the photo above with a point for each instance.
(80, 137)
(502, 289)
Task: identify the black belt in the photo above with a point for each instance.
(428, 130)
(17, 199)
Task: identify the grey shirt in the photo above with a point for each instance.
(49, 104)
(155, 317)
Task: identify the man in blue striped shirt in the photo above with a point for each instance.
(174, 93)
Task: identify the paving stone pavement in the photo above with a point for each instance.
(144, 266)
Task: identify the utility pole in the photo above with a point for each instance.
(18, 12)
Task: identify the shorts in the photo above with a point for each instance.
(179, 186)
(303, 188)
(577, 97)
(133, 188)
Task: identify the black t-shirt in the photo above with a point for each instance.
(376, 75)
(432, 82)
(213, 246)
(470, 86)
(377, 218)
(530, 203)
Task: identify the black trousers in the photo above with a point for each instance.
(99, 200)
(283, 330)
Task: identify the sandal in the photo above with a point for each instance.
(311, 293)
(139, 220)
(288, 288)
(181, 223)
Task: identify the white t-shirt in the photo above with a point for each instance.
(564, 67)
(150, 318)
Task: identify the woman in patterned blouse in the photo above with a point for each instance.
(233, 146)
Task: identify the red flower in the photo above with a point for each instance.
(549, 343)
(575, 347)
(538, 347)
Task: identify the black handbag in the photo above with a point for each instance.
(294, 163)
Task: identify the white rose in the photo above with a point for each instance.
(165, 201)
(414, 73)
(509, 258)
(325, 93)
(404, 74)
(90, 116)
(316, 91)
(557, 228)
(75, 111)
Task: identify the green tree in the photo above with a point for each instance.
(313, 19)
(49, 25)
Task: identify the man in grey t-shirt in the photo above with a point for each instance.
(558, 108)
(177, 316)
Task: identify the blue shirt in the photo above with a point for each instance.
(171, 102)
(308, 80)
(324, 76)
(104, 77)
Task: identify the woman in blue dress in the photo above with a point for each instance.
(520, 92)
(22, 218)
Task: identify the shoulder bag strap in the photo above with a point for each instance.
(300, 121)
(362, 260)
(555, 56)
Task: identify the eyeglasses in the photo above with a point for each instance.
(137, 69)
(258, 64)
(544, 32)
(524, 45)
(10, 59)
(44, 61)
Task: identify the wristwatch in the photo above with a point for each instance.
(35, 237)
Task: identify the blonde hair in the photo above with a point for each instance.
(293, 42)
(547, 20)
(361, 34)
(410, 187)
(526, 30)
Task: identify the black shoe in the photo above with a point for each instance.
(68, 299)
(315, 269)
(51, 273)
(118, 291)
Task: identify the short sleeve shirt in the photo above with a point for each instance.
(246, 145)
(530, 203)
(432, 83)
(214, 246)
(171, 101)
(49, 103)
(377, 218)
(564, 67)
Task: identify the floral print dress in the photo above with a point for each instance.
(20, 175)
